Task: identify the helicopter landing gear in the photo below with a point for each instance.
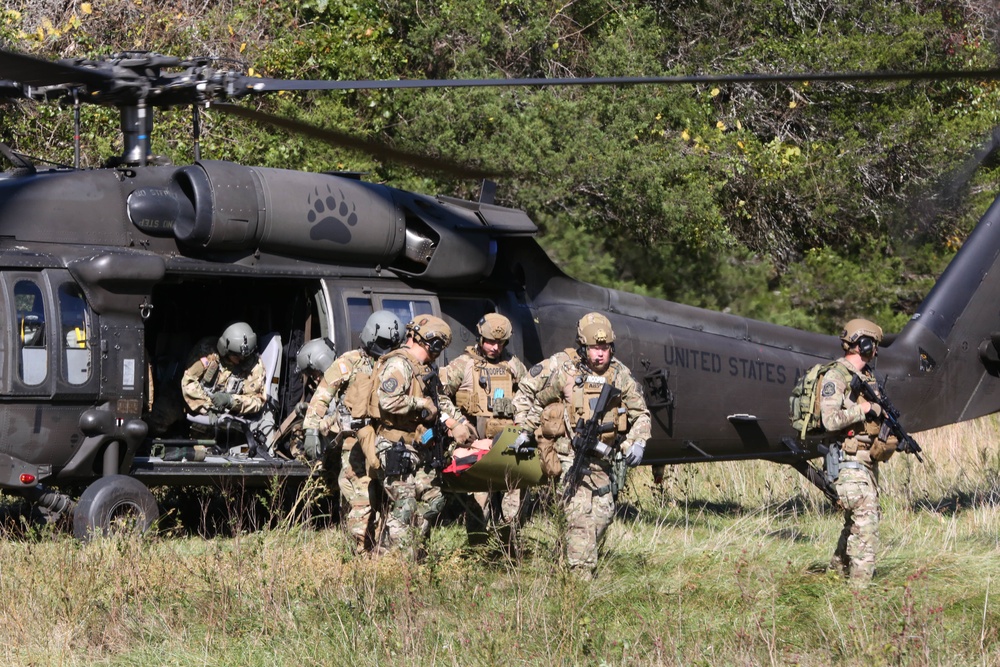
(117, 504)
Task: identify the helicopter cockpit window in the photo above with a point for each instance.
(407, 309)
(358, 311)
(34, 359)
(75, 333)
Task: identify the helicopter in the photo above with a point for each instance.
(109, 276)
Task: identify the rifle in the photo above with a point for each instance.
(432, 438)
(587, 438)
(890, 417)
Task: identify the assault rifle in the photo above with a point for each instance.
(432, 437)
(587, 438)
(890, 417)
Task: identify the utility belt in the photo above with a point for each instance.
(855, 442)
(358, 423)
(397, 435)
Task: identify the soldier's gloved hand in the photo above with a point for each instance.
(221, 400)
(875, 411)
(462, 433)
(428, 411)
(524, 442)
(634, 456)
(312, 445)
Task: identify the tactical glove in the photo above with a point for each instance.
(524, 443)
(462, 433)
(313, 444)
(875, 411)
(221, 400)
(428, 411)
(634, 456)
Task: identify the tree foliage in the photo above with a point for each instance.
(802, 204)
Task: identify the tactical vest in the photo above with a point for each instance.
(390, 422)
(584, 393)
(357, 395)
(486, 391)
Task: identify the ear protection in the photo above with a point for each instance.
(866, 345)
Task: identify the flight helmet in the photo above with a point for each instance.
(382, 332)
(238, 339)
(316, 355)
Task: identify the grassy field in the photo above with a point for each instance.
(725, 564)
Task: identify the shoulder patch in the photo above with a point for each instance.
(390, 385)
(535, 370)
(829, 389)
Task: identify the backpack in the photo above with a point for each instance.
(803, 404)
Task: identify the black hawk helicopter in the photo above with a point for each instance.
(108, 276)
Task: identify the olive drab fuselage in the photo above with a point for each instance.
(160, 256)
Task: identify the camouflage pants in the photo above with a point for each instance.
(414, 500)
(589, 512)
(855, 553)
(360, 497)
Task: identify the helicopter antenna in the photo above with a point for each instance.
(76, 128)
(196, 130)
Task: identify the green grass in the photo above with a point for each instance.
(722, 565)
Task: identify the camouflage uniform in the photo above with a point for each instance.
(857, 483)
(415, 495)
(349, 379)
(564, 382)
(208, 373)
(483, 391)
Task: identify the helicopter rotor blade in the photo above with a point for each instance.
(30, 71)
(262, 85)
(373, 148)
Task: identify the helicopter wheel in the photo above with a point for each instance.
(114, 505)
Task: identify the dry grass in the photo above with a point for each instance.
(723, 565)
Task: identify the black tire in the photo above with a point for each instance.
(117, 504)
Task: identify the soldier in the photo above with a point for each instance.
(855, 425)
(558, 393)
(410, 421)
(312, 361)
(340, 407)
(224, 376)
(482, 382)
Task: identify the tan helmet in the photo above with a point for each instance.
(433, 332)
(494, 326)
(593, 329)
(857, 329)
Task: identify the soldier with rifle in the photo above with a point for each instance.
(583, 408)
(863, 434)
(412, 419)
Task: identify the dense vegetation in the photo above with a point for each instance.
(800, 204)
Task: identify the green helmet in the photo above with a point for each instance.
(316, 355)
(238, 339)
(382, 332)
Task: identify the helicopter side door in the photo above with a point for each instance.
(50, 347)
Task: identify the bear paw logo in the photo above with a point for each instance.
(331, 216)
